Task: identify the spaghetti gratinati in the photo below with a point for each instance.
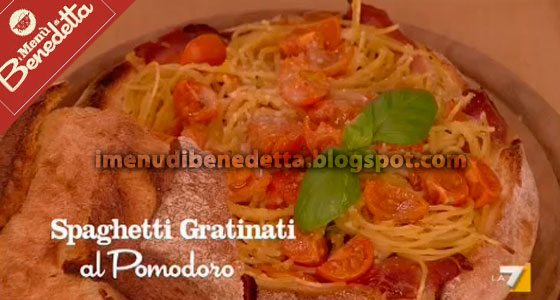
(246, 85)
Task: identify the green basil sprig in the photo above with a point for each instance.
(324, 196)
(400, 117)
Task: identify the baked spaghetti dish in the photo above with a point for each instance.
(304, 85)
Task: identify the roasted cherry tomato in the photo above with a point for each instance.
(169, 48)
(325, 121)
(194, 102)
(333, 62)
(276, 134)
(350, 262)
(207, 48)
(322, 136)
(283, 189)
(320, 43)
(329, 29)
(324, 33)
(390, 197)
(300, 84)
(246, 184)
(306, 249)
(337, 111)
(296, 44)
(485, 186)
(442, 186)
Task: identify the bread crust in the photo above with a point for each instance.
(18, 146)
(67, 185)
(515, 226)
(103, 92)
(187, 194)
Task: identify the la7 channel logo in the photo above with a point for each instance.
(517, 278)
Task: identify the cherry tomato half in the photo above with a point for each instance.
(350, 262)
(306, 249)
(246, 184)
(485, 186)
(326, 120)
(333, 62)
(300, 84)
(322, 33)
(194, 102)
(442, 186)
(275, 134)
(389, 198)
(283, 189)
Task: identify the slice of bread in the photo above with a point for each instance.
(187, 194)
(18, 146)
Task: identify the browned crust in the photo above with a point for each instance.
(512, 161)
(187, 194)
(515, 225)
(97, 93)
(66, 184)
(18, 146)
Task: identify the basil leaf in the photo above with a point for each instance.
(401, 117)
(359, 134)
(324, 196)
